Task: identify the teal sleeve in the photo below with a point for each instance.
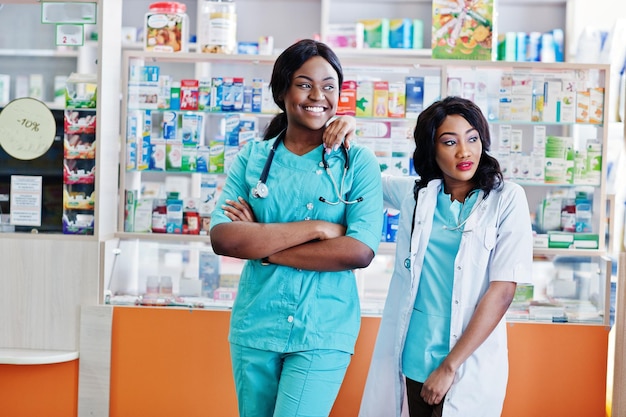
(234, 186)
(365, 219)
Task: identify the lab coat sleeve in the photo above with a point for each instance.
(513, 252)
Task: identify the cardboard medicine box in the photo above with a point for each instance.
(189, 94)
(463, 31)
(347, 100)
(375, 33)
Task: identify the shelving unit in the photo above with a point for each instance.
(50, 321)
(49, 276)
(480, 81)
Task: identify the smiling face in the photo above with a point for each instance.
(457, 152)
(313, 94)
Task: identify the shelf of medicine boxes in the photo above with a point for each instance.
(527, 132)
(181, 66)
(177, 66)
(479, 80)
(483, 76)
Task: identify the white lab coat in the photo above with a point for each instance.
(496, 246)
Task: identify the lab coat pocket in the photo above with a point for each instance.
(483, 245)
(490, 238)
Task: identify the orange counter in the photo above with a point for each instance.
(176, 362)
(168, 362)
(49, 390)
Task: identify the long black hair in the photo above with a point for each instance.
(288, 62)
(488, 176)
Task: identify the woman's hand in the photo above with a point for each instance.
(239, 210)
(437, 385)
(329, 230)
(338, 131)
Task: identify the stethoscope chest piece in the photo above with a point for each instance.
(260, 190)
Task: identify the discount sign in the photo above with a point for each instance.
(27, 128)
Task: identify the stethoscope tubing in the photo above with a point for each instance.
(260, 190)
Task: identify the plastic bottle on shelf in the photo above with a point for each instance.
(166, 27)
(217, 27)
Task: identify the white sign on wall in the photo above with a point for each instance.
(70, 35)
(68, 12)
(26, 200)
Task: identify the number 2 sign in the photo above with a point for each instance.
(70, 35)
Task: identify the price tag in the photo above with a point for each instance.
(27, 128)
(70, 35)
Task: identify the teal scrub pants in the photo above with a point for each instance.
(297, 384)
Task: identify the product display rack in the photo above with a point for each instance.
(484, 82)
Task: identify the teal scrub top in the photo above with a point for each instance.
(284, 309)
(428, 337)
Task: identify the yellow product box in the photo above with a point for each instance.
(381, 99)
(464, 31)
(396, 99)
(596, 105)
(582, 107)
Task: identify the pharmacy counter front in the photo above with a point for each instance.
(175, 361)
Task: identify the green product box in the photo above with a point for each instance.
(364, 98)
(189, 159)
(560, 240)
(216, 156)
(523, 292)
(375, 33)
(586, 241)
(173, 155)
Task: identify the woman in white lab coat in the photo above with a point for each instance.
(461, 248)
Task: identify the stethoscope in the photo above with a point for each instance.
(459, 227)
(260, 190)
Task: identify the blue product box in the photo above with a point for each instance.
(202, 159)
(174, 216)
(209, 272)
(414, 96)
(383, 235)
(400, 33)
(257, 95)
(231, 130)
(520, 46)
(175, 96)
(151, 73)
(217, 89)
(247, 99)
(393, 216)
(237, 90)
(248, 48)
(170, 125)
(228, 99)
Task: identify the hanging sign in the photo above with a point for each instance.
(68, 12)
(27, 128)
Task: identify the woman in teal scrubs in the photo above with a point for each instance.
(314, 214)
